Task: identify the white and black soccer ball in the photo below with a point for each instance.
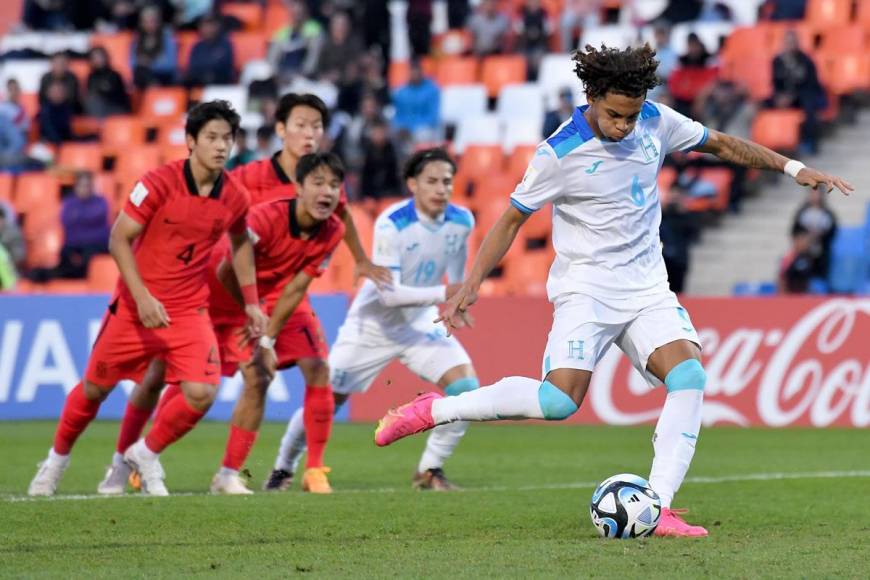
(624, 506)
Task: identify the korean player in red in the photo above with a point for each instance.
(162, 242)
(293, 242)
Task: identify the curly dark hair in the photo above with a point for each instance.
(630, 72)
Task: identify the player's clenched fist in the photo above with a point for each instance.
(152, 313)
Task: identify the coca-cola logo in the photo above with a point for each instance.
(811, 371)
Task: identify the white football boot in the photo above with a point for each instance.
(140, 459)
(48, 475)
(229, 484)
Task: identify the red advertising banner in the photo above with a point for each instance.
(770, 362)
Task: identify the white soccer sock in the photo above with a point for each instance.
(440, 445)
(509, 398)
(674, 442)
(56, 458)
(227, 471)
(117, 458)
(292, 444)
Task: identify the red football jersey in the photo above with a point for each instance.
(266, 181)
(181, 229)
(280, 252)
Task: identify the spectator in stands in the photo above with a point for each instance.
(667, 56)
(59, 71)
(354, 133)
(577, 14)
(243, 153)
(489, 27)
(419, 19)
(55, 115)
(797, 267)
(678, 231)
(189, 13)
(340, 47)
(816, 218)
(10, 236)
(796, 85)
(563, 112)
(784, 9)
(295, 48)
(153, 54)
(375, 23)
(211, 58)
(12, 109)
(696, 53)
(265, 142)
(380, 171)
(46, 15)
(106, 94)
(14, 125)
(533, 30)
(418, 106)
(678, 11)
(85, 219)
(374, 81)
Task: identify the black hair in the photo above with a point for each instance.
(201, 114)
(418, 161)
(630, 72)
(292, 100)
(310, 162)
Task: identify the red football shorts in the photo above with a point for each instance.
(124, 348)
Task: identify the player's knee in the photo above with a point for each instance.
(199, 395)
(687, 375)
(462, 385)
(315, 371)
(555, 403)
(95, 392)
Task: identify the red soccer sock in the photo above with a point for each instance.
(239, 446)
(317, 416)
(78, 412)
(172, 391)
(173, 422)
(132, 426)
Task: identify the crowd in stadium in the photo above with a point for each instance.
(486, 85)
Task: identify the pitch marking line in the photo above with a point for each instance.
(553, 486)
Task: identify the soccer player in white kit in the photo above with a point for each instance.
(608, 282)
(421, 240)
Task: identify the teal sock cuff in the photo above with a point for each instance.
(462, 385)
(687, 375)
(555, 403)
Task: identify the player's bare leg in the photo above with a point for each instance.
(140, 405)
(80, 408)
(677, 365)
(176, 419)
(443, 439)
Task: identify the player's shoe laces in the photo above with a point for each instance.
(433, 479)
(48, 476)
(408, 419)
(672, 525)
(150, 470)
(279, 480)
(314, 480)
(115, 482)
(229, 484)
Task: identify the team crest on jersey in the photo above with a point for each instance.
(139, 193)
(648, 146)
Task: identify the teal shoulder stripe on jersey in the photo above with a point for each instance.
(649, 110)
(458, 215)
(404, 216)
(572, 135)
(524, 209)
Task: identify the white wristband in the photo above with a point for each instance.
(792, 168)
(267, 343)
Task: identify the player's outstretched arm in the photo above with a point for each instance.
(365, 268)
(152, 314)
(246, 274)
(749, 154)
(495, 246)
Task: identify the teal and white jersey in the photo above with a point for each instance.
(420, 251)
(606, 210)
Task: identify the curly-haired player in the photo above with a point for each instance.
(608, 282)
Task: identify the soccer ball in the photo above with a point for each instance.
(624, 506)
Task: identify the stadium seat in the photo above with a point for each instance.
(44, 243)
(540, 224)
(710, 33)
(527, 274)
(365, 227)
(456, 41)
(778, 129)
(745, 41)
(247, 46)
(237, 95)
(501, 70)
(456, 70)
(255, 70)
(398, 73)
(520, 132)
(481, 162)
(36, 190)
(250, 15)
(863, 14)
(131, 166)
(844, 73)
(521, 101)
(493, 192)
(556, 72)
(80, 68)
(185, 41)
(81, 156)
(7, 182)
(164, 102)
(844, 38)
(806, 36)
(518, 161)
(173, 152)
(117, 45)
(754, 72)
(63, 286)
(102, 274)
(122, 132)
(461, 101)
(480, 130)
(275, 17)
(171, 131)
(823, 13)
(28, 73)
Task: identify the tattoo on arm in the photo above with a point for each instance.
(746, 153)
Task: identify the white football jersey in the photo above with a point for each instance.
(606, 210)
(422, 251)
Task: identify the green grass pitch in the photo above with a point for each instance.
(523, 512)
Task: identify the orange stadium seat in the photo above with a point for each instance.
(527, 274)
(778, 129)
(122, 132)
(7, 182)
(106, 185)
(164, 102)
(44, 243)
(247, 46)
(117, 45)
(275, 18)
(822, 13)
(519, 160)
(456, 70)
(844, 38)
(540, 224)
(365, 227)
(399, 71)
(102, 274)
(81, 68)
(495, 189)
(171, 131)
(863, 14)
(845, 73)
(172, 152)
(62, 286)
(481, 161)
(131, 165)
(185, 40)
(35, 190)
(754, 72)
(805, 34)
(498, 71)
(250, 15)
(81, 156)
(456, 41)
(746, 40)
